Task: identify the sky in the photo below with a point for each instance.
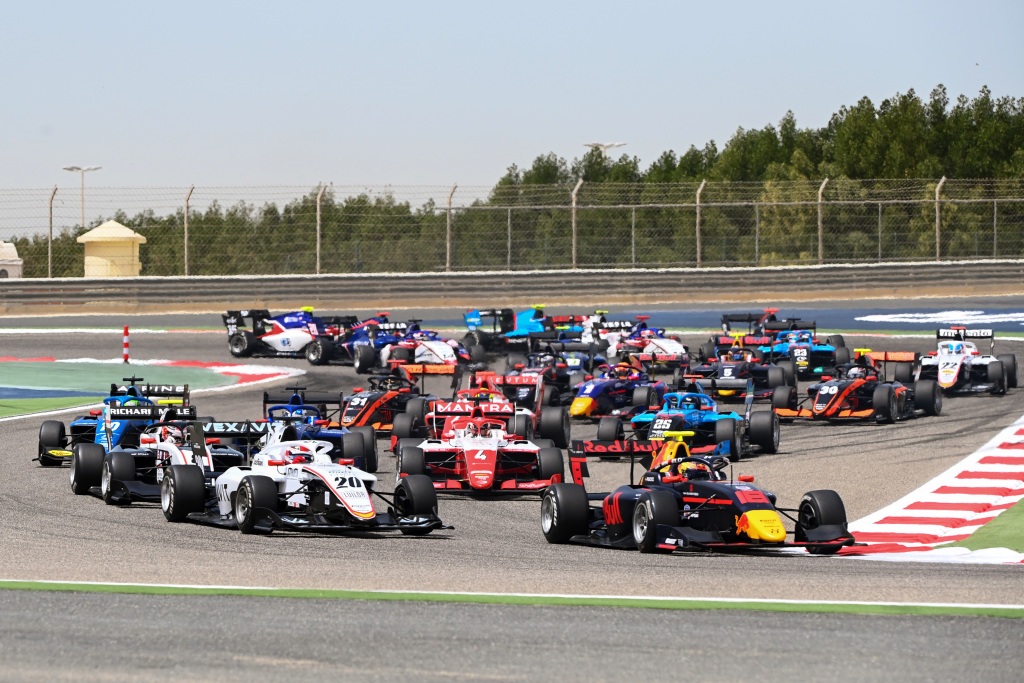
(436, 93)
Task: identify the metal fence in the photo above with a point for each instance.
(327, 229)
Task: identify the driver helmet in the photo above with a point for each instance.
(419, 335)
(295, 455)
(623, 372)
(472, 430)
(172, 434)
(856, 372)
(694, 470)
(737, 354)
(390, 383)
(485, 430)
(646, 333)
(957, 348)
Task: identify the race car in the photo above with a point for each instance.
(385, 397)
(527, 393)
(693, 411)
(128, 410)
(427, 347)
(959, 367)
(727, 376)
(127, 474)
(532, 329)
(683, 502)
(474, 454)
(287, 335)
(810, 355)
(859, 391)
(297, 486)
(650, 346)
(614, 390)
(305, 415)
(564, 365)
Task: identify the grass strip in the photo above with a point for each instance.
(1005, 531)
(1003, 611)
(25, 406)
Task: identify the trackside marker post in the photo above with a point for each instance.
(125, 343)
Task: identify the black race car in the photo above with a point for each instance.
(690, 502)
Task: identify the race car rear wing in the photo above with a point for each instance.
(151, 412)
(964, 334)
(755, 321)
(329, 404)
(790, 324)
(502, 319)
(233, 320)
(640, 451)
(179, 391)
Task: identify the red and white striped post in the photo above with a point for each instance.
(125, 343)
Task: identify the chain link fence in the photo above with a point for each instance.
(328, 229)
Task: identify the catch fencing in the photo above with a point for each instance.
(328, 229)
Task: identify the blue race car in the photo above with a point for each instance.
(812, 357)
(615, 391)
(128, 410)
(308, 415)
(720, 433)
(528, 330)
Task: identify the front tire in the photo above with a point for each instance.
(52, 437)
(550, 463)
(182, 491)
(764, 430)
(369, 434)
(563, 512)
(788, 368)
(255, 492)
(883, 401)
(86, 467)
(415, 497)
(819, 508)
(117, 466)
(729, 429)
(364, 359)
(319, 351)
(653, 509)
(411, 462)
(610, 429)
(644, 396)
(928, 396)
(554, 425)
(405, 426)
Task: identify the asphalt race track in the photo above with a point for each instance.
(496, 546)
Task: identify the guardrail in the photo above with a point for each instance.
(597, 287)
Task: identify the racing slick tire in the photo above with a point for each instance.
(707, 351)
(563, 512)
(241, 344)
(364, 359)
(819, 508)
(405, 443)
(729, 429)
(776, 377)
(352, 445)
(789, 370)
(52, 437)
(543, 443)
(554, 425)
(653, 508)
(476, 338)
(836, 341)
(405, 425)
(117, 466)
(515, 359)
(764, 430)
(842, 355)
(883, 401)
(549, 463)
(400, 353)
(904, 373)
(644, 396)
(998, 377)
(520, 426)
(410, 461)
(86, 467)
(414, 496)
(254, 491)
(183, 490)
(610, 429)
(417, 407)
(576, 379)
(477, 354)
(928, 396)
(784, 397)
(319, 351)
(369, 435)
(1009, 362)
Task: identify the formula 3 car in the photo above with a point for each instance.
(427, 347)
(684, 502)
(651, 346)
(297, 486)
(614, 391)
(959, 367)
(727, 376)
(474, 454)
(859, 391)
(129, 409)
(287, 335)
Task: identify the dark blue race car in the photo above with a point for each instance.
(128, 410)
(615, 391)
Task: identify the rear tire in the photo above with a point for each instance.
(415, 496)
(784, 398)
(477, 354)
(1009, 362)
(520, 426)
(819, 508)
(776, 377)
(254, 492)
(364, 359)
(241, 344)
(319, 351)
(351, 445)
(883, 401)
(417, 407)
(904, 373)
(182, 491)
(369, 434)
(563, 512)
(789, 370)
(610, 429)
(928, 396)
(707, 352)
(400, 353)
(836, 340)
(997, 375)
(652, 509)
(554, 425)
(515, 359)
(764, 430)
(404, 426)
(550, 463)
(644, 396)
(842, 355)
(86, 467)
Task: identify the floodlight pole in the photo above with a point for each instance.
(82, 170)
(575, 193)
(448, 232)
(49, 243)
(821, 224)
(187, 197)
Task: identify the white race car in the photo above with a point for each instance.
(295, 485)
(959, 367)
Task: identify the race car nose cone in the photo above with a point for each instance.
(581, 407)
(763, 525)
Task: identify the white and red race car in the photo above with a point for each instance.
(474, 453)
(426, 347)
(527, 390)
(959, 367)
(648, 345)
